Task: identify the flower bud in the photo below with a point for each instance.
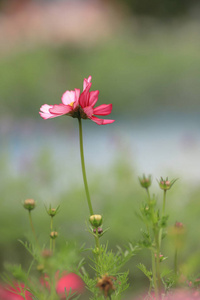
(96, 251)
(161, 257)
(40, 268)
(178, 225)
(166, 184)
(29, 204)
(53, 235)
(99, 230)
(46, 253)
(145, 181)
(52, 211)
(95, 220)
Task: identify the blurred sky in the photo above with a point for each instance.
(147, 65)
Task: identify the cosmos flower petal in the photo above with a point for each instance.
(69, 97)
(93, 97)
(46, 116)
(77, 95)
(45, 108)
(60, 109)
(44, 111)
(88, 111)
(86, 81)
(103, 110)
(84, 97)
(101, 121)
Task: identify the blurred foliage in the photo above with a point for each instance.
(143, 70)
(161, 9)
(118, 199)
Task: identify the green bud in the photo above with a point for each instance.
(95, 220)
(40, 268)
(145, 181)
(96, 251)
(53, 235)
(166, 184)
(52, 211)
(29, 204)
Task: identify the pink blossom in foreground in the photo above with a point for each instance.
(65, 282)
(79, 105)
(10, 293)
(69, 281)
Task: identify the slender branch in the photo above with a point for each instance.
(83, 168)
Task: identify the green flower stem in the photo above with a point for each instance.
(54, 246)
(163, 213)
(176, 262)
(156, 234)
(97, 245)
(51, 229)
(164, 201)
(148, 194)
(152, 255)
(83, 168)
(154, 273)
(32, 228)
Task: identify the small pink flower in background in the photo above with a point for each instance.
(69, 281)
(65, 282)
(79, 105)
(10, 293)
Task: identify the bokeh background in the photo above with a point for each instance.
(144, 58)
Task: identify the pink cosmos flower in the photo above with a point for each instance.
(64, 283)
(10, 293)
(69, 281)
(79, 105)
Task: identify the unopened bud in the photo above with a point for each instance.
(166, 184)
(29, 204)
(46, 253)
(99, 230)
(178, 225)
(96, 220)
(160, 256)
(145, 181)
(53, 234)
(96, 251)
(52, 211)
(40, 268)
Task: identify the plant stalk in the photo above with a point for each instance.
(32, 228)
(83, 168)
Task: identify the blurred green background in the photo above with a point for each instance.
(145, 60)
